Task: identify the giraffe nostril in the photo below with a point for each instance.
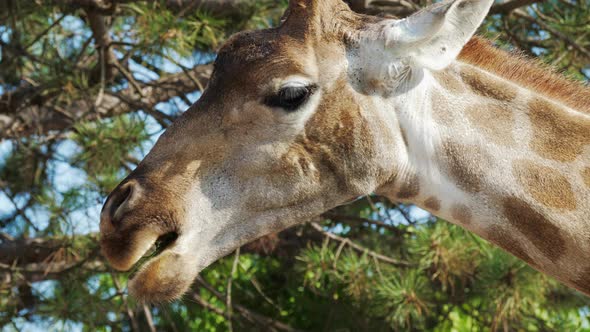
(119, 202)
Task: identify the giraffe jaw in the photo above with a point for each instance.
(159, 246)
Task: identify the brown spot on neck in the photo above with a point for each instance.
(582, 281)
(485, 85)
(527, 73)
(461, 213)
(542, 233)
(410, 188)
(508, 242)
(466, 165)
(494, 120)
(432, 203)
(545, 184)
(557, 134)
(449, 81)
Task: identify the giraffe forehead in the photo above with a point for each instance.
(251, 60)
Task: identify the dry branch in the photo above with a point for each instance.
(572, 43)
(41, 118)
(34, 250)
(510, 5)
(359, 248)
(225, 8)
(267, 322)
(378, 223)
(36, 259)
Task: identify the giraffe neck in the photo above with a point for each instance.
(501, 161)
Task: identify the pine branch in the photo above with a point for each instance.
(11, 276)
(572, 43)
(250, 315)
(36, 250)
(38, 259)
(510, 5)
(16, 122)
(228, 298)
(225, 8)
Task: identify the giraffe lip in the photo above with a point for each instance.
(162, 243)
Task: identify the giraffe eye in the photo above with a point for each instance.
(290, 98)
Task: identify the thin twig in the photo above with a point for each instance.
(228, 304)
(338, 251)
(130, 313)
(362, 249)
(169, 318)
(100, 94)
(20, 211)
(510, 5)
(39, 36)
(129, 78)
(207, 305)
(335, 216)
(268, 323)
(264, 296)
(148, 318)
(186, 71)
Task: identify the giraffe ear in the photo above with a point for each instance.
(433, 37)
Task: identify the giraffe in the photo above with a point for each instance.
(333, 105)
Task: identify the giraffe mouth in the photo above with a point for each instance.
(162, 243)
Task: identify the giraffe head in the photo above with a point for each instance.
(284, 131)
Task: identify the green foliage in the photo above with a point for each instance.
(458, 281)
(403, 299)
(535, 36)
(104, 145)
(160, 28)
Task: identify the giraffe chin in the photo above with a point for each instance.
(164, 278)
